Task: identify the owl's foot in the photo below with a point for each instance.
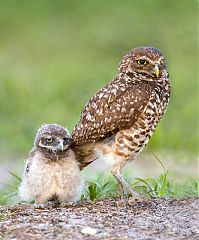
(68, 204)
(121, 191)
(53, 204)
(39, 205)
(122, 183)
(122, 203)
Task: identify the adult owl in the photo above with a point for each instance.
(51, 170)
(118, 121)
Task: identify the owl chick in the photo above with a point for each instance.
(51, 170)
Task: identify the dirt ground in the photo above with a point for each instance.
(108, 219)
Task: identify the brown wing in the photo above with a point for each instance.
(113, 108)
(29, 161)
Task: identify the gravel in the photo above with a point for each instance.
(107, 219)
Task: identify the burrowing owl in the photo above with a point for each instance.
(119, 120)
(51, 170)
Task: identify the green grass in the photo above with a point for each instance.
(105, 186)
(10, 190)
(101, 188)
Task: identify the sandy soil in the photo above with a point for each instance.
(108, 219)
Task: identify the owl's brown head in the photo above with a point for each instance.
(144, 63)
(52, 138)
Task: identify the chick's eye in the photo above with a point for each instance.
(162, 62)
(142, 62)
(49, 140)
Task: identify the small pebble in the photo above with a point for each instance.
(89, 230)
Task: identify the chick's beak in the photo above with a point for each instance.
(156, 70)
(61, 145)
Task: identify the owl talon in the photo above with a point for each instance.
(122, 203)
(39, 205)
(134, 199)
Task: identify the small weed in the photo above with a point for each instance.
(100, 188)
(154, 187)
(10, 189)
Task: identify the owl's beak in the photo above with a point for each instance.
(60, 146)
(156, 70)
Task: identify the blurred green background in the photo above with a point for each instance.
(54, 55)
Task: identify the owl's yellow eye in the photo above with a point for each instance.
(49, 140)
(162, 62)
(142, 62)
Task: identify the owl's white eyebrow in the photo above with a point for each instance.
(144, 58)
(161, 58)
(47, 136)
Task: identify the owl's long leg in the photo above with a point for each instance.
(121, 190)
(122, 182)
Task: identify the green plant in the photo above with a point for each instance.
(10, 189)
(105, 186)
(100, 188)
(155, 187)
